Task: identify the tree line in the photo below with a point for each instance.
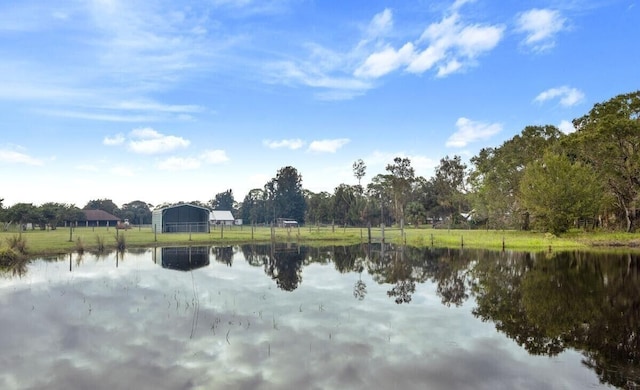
(539, 179)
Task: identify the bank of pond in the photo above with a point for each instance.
(359, 316)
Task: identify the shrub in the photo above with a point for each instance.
(9, 257)
(79, 245)
(18, 243)
(120, 242)
(100, 243)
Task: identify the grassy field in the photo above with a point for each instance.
(64, 240)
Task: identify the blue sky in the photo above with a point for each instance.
(164, 101)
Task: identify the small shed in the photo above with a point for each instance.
(98, 218)
(286, 222)
(180, 218)
(221, 217)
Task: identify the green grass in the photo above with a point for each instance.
(62, 240)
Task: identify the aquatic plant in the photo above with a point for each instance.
(121, 242)
(18, 243)
(9, 257)
(100, 243)
(80, 245)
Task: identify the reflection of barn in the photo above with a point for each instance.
(98, 218)
(181, 218)
(182, 258)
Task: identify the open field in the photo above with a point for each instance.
(63, 240)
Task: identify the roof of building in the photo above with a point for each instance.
(99, 215)
(180, 205)
(221, 215)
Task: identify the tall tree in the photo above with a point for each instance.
(104, 205)
(380, 193)
(223, 201)
(495, 179)
(359, 170)
(285, 194)
(22, 213)
(319, 207)
(138, 212)
(253, 207)
(424, 193)
(557, 192)
(402, 177)
(608, 138)
(347, 204)
(449, 183)
(2, 211)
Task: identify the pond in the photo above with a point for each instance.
(358, 317)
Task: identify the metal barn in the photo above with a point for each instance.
(181, 218)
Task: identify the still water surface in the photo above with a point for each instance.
(359, 317)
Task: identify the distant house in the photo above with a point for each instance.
(286, 222)
(98, 218)
(180, 218)
(221, 217)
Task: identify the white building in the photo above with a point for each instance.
(221, 217)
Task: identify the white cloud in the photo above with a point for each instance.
(105, 117)
(385, 61)
(454, 45)
(328, 145)
(147, 45)
(568, 96)
(117, 139)
(541, 27)
(566, 127)
(450, 44)
(214, 156)
(471, 131)
(310, 74)
(17, 157)
(381, 24)
(149, 105)
(179, 164)
(149, 141)
(292, 144)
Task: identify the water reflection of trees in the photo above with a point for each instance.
(282, 262)
(575, 300)
(544, 302)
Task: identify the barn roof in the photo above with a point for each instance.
(99, 215)
(180, 205)
(221, 215)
